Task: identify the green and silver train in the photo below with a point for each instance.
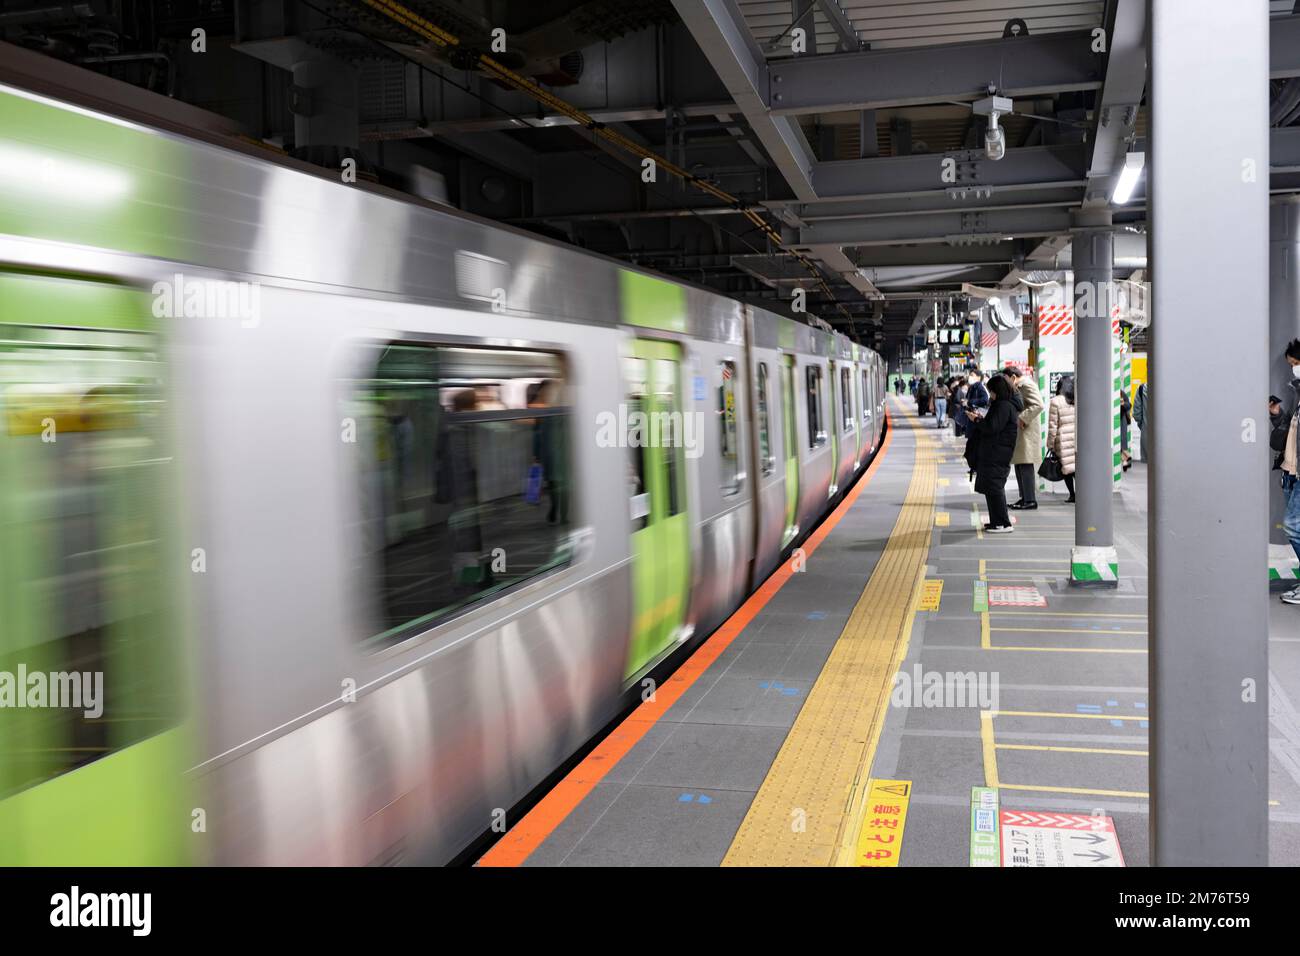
(332, 521)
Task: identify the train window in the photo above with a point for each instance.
(466, 487)
(866, 393)
(767, 461)
(666, 383)
(85, 477)
(816, 413)
(846, 400)
(634, 370)
(731, 476)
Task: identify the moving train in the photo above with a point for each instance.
(332, 521)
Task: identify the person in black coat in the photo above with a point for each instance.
(994, 436)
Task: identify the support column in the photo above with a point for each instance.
(1093, 561)
(1283, 326)
(1207, 199)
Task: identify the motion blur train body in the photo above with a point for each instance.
(369, 513)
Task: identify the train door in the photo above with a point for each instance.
(660, 517)
(791, 449)
(92, 756)
(834, 429)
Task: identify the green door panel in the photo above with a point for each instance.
(127, 809)
(661, 544)
(833, 426)
(91, 580)
(790, 432)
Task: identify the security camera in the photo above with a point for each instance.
(995, 140)
(995, 137)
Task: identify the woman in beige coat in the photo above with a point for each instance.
(1028, 439)
(1060, 429)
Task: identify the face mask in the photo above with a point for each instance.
(1295, 371)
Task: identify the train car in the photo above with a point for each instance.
(366, 513)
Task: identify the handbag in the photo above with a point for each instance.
(1050, 469)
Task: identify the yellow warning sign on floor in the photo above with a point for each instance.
(880, 841)
(931, 594)
(942, 519)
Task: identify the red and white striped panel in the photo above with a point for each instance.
(989, 340)
(1059, 320)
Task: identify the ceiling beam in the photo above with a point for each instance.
(875, 79)
(835, 259)
(954, 228)
(720, 30)
(1121, 96)
(840, 23)
(1284, 149)
(936, 201)
(924, 174)
(406, 129)
(1284, 47)
(958, 257)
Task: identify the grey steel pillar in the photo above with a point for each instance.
(1207, 199)
(1093, 561)
(1283, 326)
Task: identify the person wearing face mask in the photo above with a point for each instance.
(974, 404)
(994, 436)
(1288, 461)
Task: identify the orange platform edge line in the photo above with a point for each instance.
(541, 821)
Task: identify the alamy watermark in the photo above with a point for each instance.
(190, 298)
(638, 429)
(64, 690)
(1122, 298)
(935, 689)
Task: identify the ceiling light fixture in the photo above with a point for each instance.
(1128, 178)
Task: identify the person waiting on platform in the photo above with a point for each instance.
(940, 403)
(976, 400)
(994, 434)
(957, 398)
(1288, 461)
(1125, 417)
(923, 397)
(1060, 430)
(1030, 439)
(1140, 399)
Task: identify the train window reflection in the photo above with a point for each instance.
(88, 639)
(727, 428)
(816, 412)
(846, 400)
(767, 462)
(466, 477)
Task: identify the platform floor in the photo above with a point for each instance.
(758, 750)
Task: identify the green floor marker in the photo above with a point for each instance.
(984, 843)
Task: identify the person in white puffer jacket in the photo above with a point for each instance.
(1060, 429)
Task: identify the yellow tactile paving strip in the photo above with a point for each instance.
(807, 810)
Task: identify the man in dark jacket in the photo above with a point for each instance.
(996, 433)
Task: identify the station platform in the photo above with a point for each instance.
(845, 713)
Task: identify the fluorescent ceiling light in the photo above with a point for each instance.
(1128, 178)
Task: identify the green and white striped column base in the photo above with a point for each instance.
(1282, 564)
(1094, 567)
